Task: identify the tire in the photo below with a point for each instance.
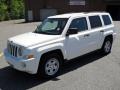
(107, 45)
(50, 66)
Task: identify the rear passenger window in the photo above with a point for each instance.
(79, 23)
(106, 20)
(95, 21)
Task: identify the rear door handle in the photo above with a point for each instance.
(86, 35)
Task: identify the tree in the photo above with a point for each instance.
(3, 11)
(11, 9)
(17, 9)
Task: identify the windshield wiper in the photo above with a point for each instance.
(42, 32)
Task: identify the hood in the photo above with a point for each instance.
(30, 39)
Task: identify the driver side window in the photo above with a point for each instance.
(80, 24)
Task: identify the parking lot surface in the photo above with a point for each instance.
(89, 72)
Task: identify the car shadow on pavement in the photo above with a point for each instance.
(11, 79)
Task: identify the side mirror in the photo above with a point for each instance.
(72, 31)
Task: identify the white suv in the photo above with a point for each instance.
(58, 38)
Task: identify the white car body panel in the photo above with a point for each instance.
(32, 39)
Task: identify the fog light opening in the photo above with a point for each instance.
(23, 65)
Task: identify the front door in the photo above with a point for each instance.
(76, 44)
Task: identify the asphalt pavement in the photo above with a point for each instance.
(90, 72)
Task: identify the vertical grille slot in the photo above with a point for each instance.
(12, 49)
(15, 51)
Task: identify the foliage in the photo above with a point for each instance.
(11, 9)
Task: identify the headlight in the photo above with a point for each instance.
(20, 51)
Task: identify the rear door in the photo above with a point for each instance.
(107, 27)
(96, 31)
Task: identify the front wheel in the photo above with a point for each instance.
(106, 48)
(50, 66)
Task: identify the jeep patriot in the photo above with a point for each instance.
(58, 38)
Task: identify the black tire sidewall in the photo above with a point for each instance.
(41, 69)
(103, 47)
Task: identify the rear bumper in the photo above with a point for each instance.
(30, 66)
(114, 36)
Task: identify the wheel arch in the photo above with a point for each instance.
(56, 51)
(40, 70)
(109, 37)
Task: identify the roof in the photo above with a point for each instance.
(76, 14)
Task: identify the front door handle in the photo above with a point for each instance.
(102, 31)
(86, 35)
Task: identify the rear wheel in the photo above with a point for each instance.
(50, 66)
(106, 48)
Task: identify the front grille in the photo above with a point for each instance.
(12, 49)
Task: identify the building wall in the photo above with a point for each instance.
(62, 6)
(34, 6)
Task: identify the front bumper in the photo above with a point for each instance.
(30, 66)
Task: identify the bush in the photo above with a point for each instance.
(11, 9)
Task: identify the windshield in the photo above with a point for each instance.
(52, 26)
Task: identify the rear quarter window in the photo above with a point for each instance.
(106, 20)
(95, 21)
